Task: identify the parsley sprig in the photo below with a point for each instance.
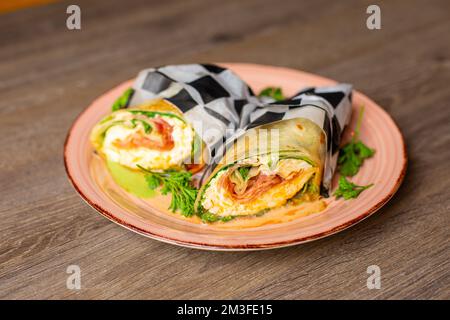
(351, 158)
(349, 190)
(272, 92)
(176, 183)
(353, 154)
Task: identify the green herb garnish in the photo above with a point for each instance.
(312, 188)
(243, 171)
(353, 154)
(349, 190)
(209, 217)
(123, 100)
(272, 92)
(178, 184)
(147, 127)
(152, 114)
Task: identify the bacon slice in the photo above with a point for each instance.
(160, 138)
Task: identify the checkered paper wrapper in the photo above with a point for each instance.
(211, 97)
(218, 103)
(328, 107)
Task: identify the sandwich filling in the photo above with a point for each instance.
(153, 140)
(256, 184)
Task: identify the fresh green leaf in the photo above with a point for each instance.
(153, 181)
(348, 160)
(273, 92)
(147, 127)
(209, 217)
(152, 114)
(349, 190)
(352, 155)
(123, 100)
(363, 150)
(177, 183)
(243, 171)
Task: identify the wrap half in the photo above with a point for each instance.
(174, 117)
(264, 169)
(153, 136)
(287, 153)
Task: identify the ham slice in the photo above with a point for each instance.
(159, 139)
(255, 187)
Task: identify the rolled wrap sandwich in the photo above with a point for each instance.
(172, 118)
(257, 176)
(286, 154)
(154, 136)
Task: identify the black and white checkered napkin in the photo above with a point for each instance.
(329, 107)
(217, 103)
(211, 97)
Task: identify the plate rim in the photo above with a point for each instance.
(245, 247)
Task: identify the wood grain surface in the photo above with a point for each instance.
(49, 74)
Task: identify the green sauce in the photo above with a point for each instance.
(132, 181)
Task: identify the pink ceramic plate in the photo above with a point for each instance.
(386, 170)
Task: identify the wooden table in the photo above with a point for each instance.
(49, 74)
